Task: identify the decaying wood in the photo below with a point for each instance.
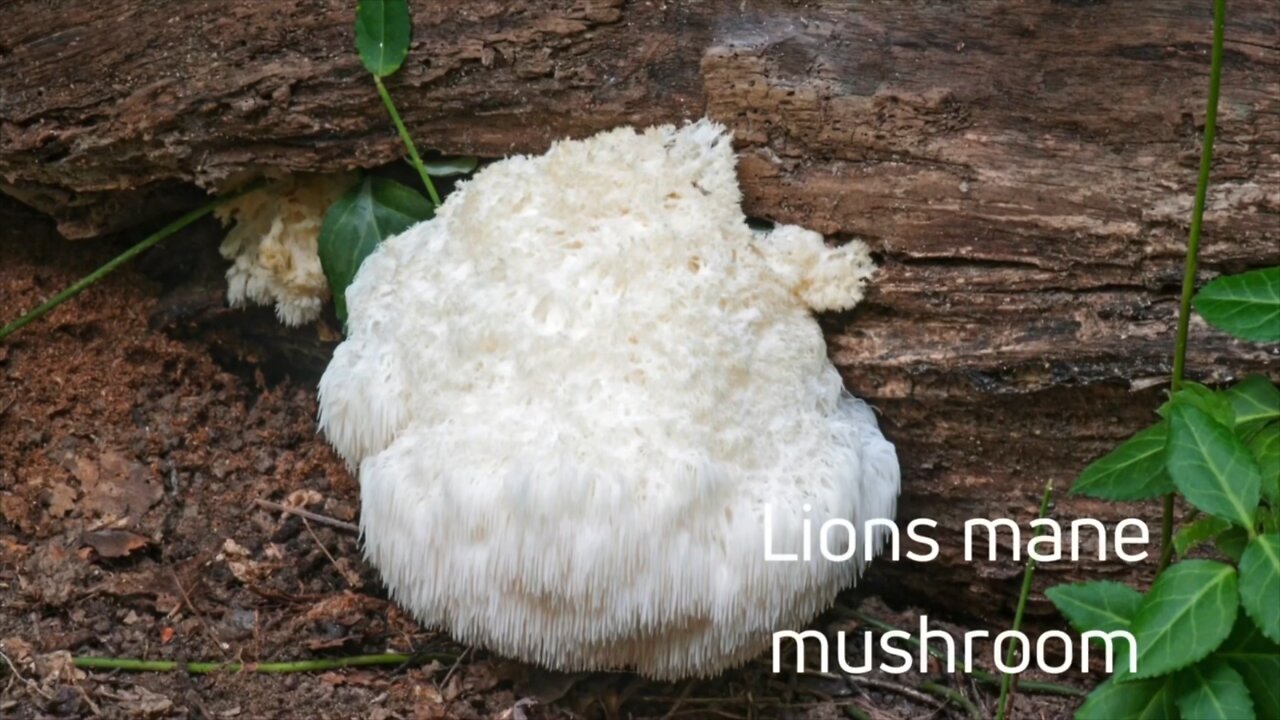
(1024, 169)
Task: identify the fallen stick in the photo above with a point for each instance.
(323, 519)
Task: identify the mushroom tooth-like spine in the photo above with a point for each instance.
(362, 401)
(824, 278)
(272, 245)
(364, 393)
(881, 474)
(576, 393)
(656, 614)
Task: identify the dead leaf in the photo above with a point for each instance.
(360, 678)
(349, 572)
(60, 499)
(85, 470)
(345, 609)
(241, 564)
(17, 650)
(114, 543)
(154, 583)
(516, 711)
(19, 512)
(141, 702)
(303, 498)
(57, 668)
(428, 703)
(332, 678)
(117, 487)
(11, 551)
(231, 548)
(54, 573)
(480, 676)
(329, 643)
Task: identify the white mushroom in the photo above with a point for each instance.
(573, 394)
(272, 245)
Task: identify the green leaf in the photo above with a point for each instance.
(1133, 471)
(1215, 404)
(1100, 605)
(1246, 305)
(1260, 584)
(1140, 700)
(1257, 659)
(369, 213)
(1212, 468)
(1265, 448)
(1212, 690)
(382, 34)
(451, 165)
(1255, 402)
(1269, 520)
(1188, 612)
(1202, 530)
(1232, 542)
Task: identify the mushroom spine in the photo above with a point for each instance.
(573, 394)
(272, 245)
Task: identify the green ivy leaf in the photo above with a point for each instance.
(1265, 447)
(1201, 531)
(382, 35)
(1260, 584)
(1213, 403)
(1246, 305)
(369, 213)
(1100, 605)
(1212, 468)
(1255, 402)
(1188, 612)
(1140, 700)
(1232, 542)
(451, 165)
(1257, 659)
(1212, 690)
(1133, 471)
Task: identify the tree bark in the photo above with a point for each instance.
(1025, 171)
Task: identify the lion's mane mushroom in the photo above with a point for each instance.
(574, 395)
(272, 244)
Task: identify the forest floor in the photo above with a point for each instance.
(132, 464)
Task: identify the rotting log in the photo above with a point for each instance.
(1024, 170)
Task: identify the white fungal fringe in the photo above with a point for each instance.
(574, 394)
(272, 245)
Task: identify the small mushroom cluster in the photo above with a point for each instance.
(272, 245)
(574, 396)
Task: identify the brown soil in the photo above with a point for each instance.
(130, 467)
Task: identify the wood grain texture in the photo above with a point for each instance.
(1024, 169)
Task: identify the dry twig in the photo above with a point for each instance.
(308, 515)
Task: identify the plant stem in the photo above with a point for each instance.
(408, 141)
(1193, 250)
(198, 668)
(1006, 683)
(117, 261)
(951, 696)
